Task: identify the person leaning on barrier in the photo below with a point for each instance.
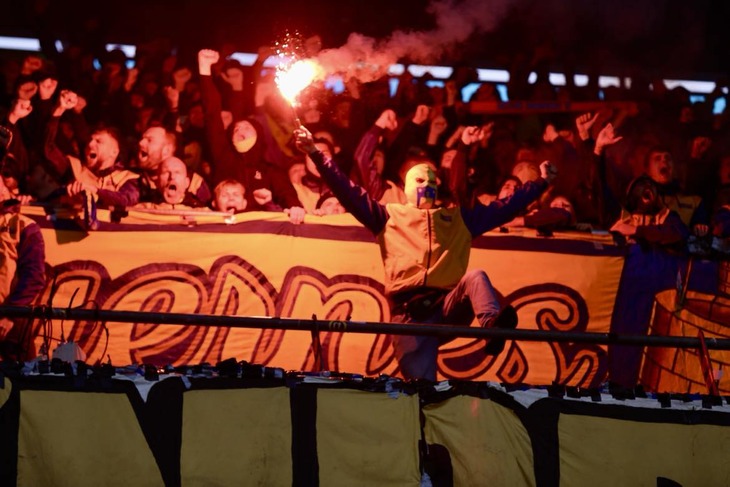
(157, 144)
(22, 272)
(230, 197)
(659, 166)
(647, 221)
(101, 176)
(172, 191)
(558, 214)
(311, 187)
(425, 251)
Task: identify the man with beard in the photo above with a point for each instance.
(238, 153)
(172, 188)
(101, 177)
(157, 144)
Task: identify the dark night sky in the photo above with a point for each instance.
(664, 36)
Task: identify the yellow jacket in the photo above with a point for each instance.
(22, 259)
(423, 247)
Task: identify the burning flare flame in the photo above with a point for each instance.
(292, 79)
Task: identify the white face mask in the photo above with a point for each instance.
(244, 145)
(420, 187)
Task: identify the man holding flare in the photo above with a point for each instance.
(425, 251)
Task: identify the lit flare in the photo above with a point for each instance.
(294, 78)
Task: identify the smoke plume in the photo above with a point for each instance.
(368, 59)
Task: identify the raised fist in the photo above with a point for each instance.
(181, 77)
(471, 135)
(548, 171)
(21, 109)
(550, 134)
(234, 77)
(31, 64)
(421, 115)
(68, 100)
(27, 90)
(206, 59)
(387, 120)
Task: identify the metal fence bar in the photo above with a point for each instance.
(446, 331)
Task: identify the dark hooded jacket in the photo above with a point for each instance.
(250, 168)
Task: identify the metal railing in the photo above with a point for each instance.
(315, 325)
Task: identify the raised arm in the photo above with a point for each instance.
(17, 147)
(413, 134)
(458, 175)
(610, 208)
(481, 218)
(212, 106)
(354, 198)
(53, 154)
(369, 175)
(237, 102)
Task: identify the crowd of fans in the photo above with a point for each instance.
(170, 135)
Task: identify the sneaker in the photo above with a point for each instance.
(507, 319)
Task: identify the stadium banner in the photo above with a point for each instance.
(329, 268)
(65, 430)
(675, 370)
